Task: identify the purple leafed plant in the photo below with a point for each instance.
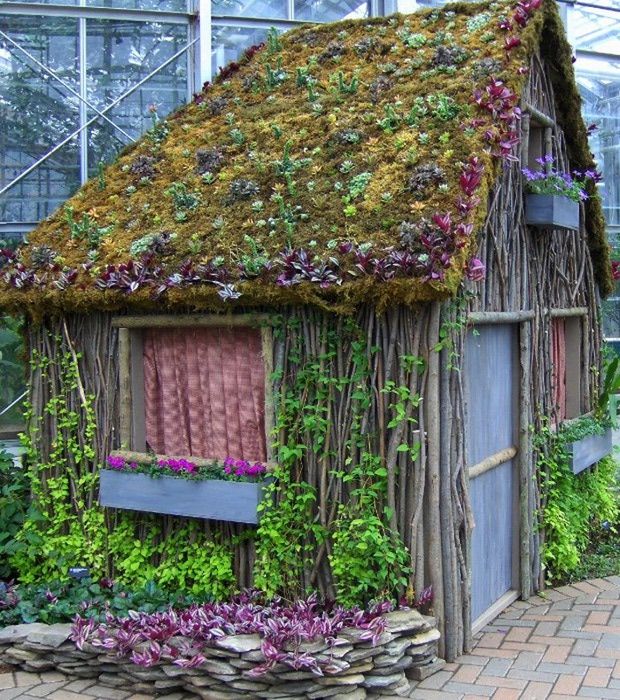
(22, 277)
(181, 637)
(130, 276)
(6, 256)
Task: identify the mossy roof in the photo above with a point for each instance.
(337, 164)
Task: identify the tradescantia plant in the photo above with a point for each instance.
(180, 636)
(551, 181)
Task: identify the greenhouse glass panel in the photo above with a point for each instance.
(272, 9)
(119, 55)
(161, 5)
(330, 10)
(38, 112)
(167, 5)
(228, 43)
(50, 2)
(599, 84)
(43, 190)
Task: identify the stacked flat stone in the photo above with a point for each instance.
(407, 650)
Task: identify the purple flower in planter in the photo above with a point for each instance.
(178, 465)
(241, 467)
(115, 462)
(551, 181)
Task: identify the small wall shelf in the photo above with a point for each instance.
(587, 451)
(551, 211)
(235, 501)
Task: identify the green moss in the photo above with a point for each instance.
(287, 177)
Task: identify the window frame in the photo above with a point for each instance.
(132, 430)
(575, 330)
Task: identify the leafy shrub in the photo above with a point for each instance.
(368, 560)
(62, 601)
(14, 505)
(11, 367)
(575, 505)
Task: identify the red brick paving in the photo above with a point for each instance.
(559, 645)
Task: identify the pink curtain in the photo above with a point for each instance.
(558, 369)
(204, 392)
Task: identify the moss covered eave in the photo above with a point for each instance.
(558, 55)
(221, 230)
(344, 299)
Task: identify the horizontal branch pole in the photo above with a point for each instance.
(174, 321)
(568, 313)
(539, 116)
(480, 317)
(493, 461)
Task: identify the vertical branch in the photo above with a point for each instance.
(431, 408)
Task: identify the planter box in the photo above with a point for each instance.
(587, 451)
(551, 211)
(235, 501)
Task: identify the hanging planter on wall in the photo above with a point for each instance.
(589, 450)
(552, 211)
(152, 492)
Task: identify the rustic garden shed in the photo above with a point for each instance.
(324, 263)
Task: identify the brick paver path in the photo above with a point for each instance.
(563, 644)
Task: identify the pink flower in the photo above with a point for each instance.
(241, 467)
(115, 462)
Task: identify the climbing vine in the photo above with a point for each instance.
(67, 528)
(365, 553)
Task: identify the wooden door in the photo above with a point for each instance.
(492, 389)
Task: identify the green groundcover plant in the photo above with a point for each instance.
(61, 601)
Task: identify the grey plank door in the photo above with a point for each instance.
(491, 390)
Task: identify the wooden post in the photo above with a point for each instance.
(525, 140)
(446, 515)
(431, 406)
(267, 346)
(124, 357)
(524, 462)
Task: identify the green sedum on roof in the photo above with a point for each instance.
(336, 164)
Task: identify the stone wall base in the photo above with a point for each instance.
(406, 651)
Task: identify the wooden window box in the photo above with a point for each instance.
(587, 451)
(551, 211)
(234, 501)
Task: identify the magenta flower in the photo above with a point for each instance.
(178, 465)
(241, 467)
(115, 462)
